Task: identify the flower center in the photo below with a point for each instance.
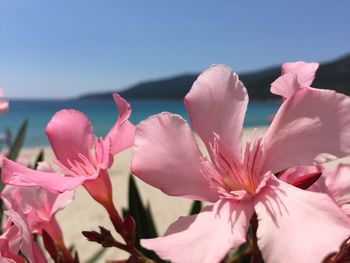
(233, 177)
(85, 165)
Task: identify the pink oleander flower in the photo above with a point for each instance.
(16, 238)
(83, 157)
(39, 206)
(294, 225)
(4, 103)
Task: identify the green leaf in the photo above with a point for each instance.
(39, 159)
(150, 221)
(18, 142)
(95, 257)
(145, 227)
(196, 207)
(138, 211)
(125, 212)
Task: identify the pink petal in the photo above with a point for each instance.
(16, 174)
(304, 71)
(28, 246)
(124, 109)
(301, 176)
(61, 201)
(12, 235)
(311, 123)
(103, 156)
(6, 255)
(38, 204)
(4, 103)
(206, 237)
(100, 188)
(336, 183)
(297, 225)
(70, 134)
(4, 106)
(285, 86)
(122, 134)
(217, 103)
(44, 166)
(167, 157)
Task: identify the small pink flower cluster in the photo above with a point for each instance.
(274, 186)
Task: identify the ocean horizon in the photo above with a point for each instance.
(103, 114)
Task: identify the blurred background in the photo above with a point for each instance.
(75, 53)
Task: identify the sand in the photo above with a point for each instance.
(85, 214)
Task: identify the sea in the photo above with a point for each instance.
(103, 114)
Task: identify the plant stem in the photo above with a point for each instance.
(239, 256)
(129, 239)
(256, 255)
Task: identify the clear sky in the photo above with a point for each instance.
(64, 48)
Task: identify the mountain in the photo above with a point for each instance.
(332, 75)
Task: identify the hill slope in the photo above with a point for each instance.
(332, 75)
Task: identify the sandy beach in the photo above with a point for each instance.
(85, 214)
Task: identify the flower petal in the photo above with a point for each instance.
(62, 200)
(206, 237)
(304, 71)
(122, 134)
(285, 86)
(7, 256)
(310, 123)
(28, 246)
(4, 103)
(167, 157)
(70, 134)
(217, 103)
(4, 106)
(16, 174)
(297, 225)
(336, 183)
(301, 176)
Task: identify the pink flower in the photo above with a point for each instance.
(309, 123)
(83, 157)
(17, 238)
(39, 206)
(4, 103)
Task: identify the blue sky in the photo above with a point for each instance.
(64, 48)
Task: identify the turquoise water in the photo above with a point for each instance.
(103, 114)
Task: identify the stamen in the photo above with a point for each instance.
(230, 176)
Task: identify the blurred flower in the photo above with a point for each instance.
(4, 103)
(39, 206)
(82, 156)
(16, 238)
(308, 124)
